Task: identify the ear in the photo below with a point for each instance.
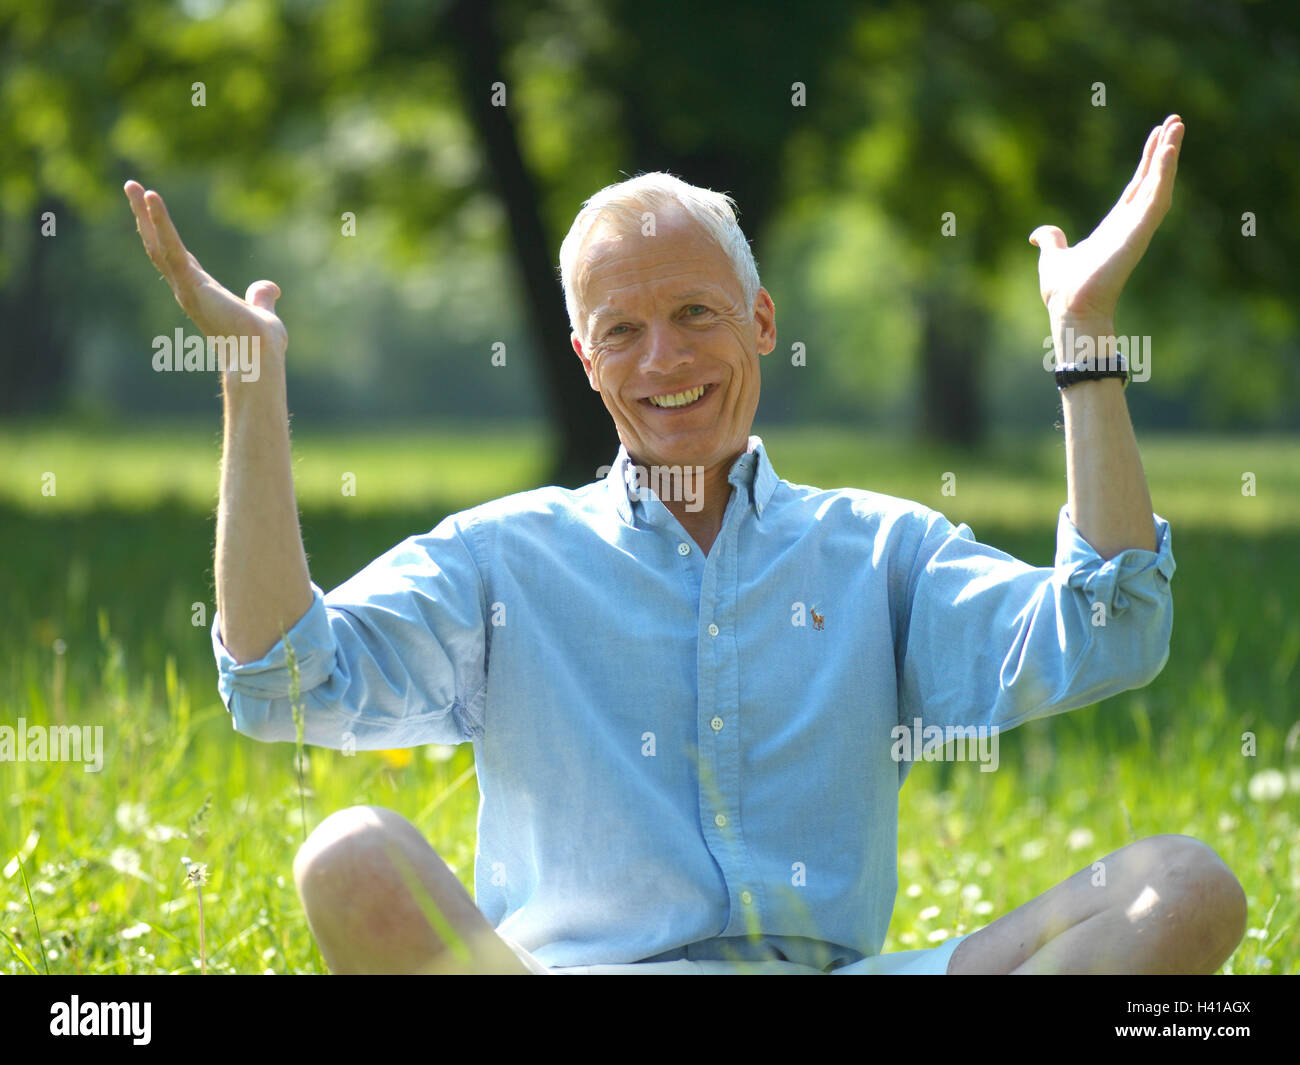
(765, 322)
(585, 359)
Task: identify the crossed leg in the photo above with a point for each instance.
(1162, 905)
(380, 900)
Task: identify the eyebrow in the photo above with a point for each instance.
(618, 312)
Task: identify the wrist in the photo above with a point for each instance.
(260, 373)
(1081, 340)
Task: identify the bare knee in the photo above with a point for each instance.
(379, 899)
(1196, 894)
(358, 875)
(337, 850)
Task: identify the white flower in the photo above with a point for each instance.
(1035, 848)
(132, 816)
(1268, 785)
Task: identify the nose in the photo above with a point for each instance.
(666, 349)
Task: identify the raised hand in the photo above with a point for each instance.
(213, 308)
(1083, 283)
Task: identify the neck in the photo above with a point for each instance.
(696, 496)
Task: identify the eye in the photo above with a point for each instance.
(695, 307)
(615, 331)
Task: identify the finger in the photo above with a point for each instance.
(178, 259)
(1167, 167)
(1139, 175)
(1048, 238)
(143, 223)
(263, 294)
(1160, 188)
(1170, 131)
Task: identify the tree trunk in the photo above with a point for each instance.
(585, 431)
(34, 357)
(951, 358)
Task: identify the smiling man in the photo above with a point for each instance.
(668, 327)
(683, 681)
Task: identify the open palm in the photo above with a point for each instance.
(1084, 282)
(213, 308)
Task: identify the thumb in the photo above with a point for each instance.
(263, 294)
(1048, 237)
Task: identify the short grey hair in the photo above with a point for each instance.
(623, 204)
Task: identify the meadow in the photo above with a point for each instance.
(106, 599)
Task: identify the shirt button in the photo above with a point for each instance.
(720, 820)
(716, 724)
(746, 898)
(714, 630)
(683, 549)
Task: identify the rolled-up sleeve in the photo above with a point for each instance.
(992, 640)
(393, 657)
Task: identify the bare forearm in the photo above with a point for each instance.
(1108, 497)
(263, 586)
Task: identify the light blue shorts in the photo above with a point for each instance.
(930, 962)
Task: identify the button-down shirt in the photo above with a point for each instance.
(690, 755)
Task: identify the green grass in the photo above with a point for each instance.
(109, 567)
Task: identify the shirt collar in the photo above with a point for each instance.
(752, 472)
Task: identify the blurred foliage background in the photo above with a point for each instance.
(844, 130)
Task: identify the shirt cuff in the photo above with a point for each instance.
(1111, 581)
(268, 677)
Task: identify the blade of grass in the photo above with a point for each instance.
(439, 923)
(299, 725)
(32, 905)
(18, 953)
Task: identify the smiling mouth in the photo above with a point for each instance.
(679, 400)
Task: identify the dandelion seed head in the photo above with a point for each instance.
(1268, 785)
(1079, 838)
(1033, 849)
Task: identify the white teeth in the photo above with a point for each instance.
(678, 399)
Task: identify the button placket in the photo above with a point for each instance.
(717, 711)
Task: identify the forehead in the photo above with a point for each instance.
(618, 263)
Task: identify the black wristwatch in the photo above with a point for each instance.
(1072, 373)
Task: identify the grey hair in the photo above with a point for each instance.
(626, 201)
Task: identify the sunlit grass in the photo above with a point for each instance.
(1195, 480)
(97, 625)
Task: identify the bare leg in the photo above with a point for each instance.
(355, 876)
(1165, 904)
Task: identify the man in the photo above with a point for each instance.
(681, 767)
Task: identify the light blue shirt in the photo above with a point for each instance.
(683, 755)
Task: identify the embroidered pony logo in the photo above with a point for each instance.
(817, 618)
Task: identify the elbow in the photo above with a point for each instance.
(1150, 650)
(1153, 667)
